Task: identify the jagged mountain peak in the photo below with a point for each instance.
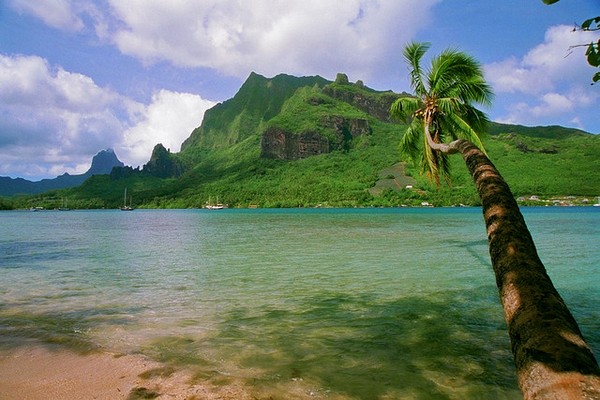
(258, 100)
(103, 162)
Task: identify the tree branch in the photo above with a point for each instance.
(447, 148)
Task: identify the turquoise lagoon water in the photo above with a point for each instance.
(343, 304)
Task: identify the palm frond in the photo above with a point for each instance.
(455, 74)
(444, 167)
(403, 108)
(477, 120)
(461, 129)
(448, 106)
(410, 142)
(445, 95)
(440, 76)
(429, 162)
(474, 89)
(413, 53)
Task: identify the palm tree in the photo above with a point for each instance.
(552, 359)
(442, 108)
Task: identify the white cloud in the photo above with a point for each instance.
(561, 108)
(268, 36)
(553, 103)
(169, 120)
(55, 13)
(553, 55)
(29, 81)
(67, 15)
(54, 121)
(363, 38)
(510, 76)
(549, 83)
(544, 67)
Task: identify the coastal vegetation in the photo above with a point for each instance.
(226, 158)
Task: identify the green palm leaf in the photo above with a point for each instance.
(403, 108)
(410, 142)
(413, 53)
(445, 96)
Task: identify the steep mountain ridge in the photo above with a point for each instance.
(287, 142)
(163, 164)
(258, 100)
(293, 117)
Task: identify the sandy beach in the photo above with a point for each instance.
(45, 372)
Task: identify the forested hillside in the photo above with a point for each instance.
(306, 142)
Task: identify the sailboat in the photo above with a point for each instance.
(217, 206)
(64, 206)
(125, 206)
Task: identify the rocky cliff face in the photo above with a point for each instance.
(104, 162)
(258, 100)
(163, 164)
(379, 108)
(347, 126)
(335, 126)
(356, 94)
(279, 144)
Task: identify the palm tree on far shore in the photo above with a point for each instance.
(552, 359)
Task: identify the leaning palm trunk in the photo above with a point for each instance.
(552, 359)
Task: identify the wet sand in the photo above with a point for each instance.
(38, 371)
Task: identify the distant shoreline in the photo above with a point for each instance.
(549, 203)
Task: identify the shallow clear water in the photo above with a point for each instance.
(369, 304)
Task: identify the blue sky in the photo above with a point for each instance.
(80, 76)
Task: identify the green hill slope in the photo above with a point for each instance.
(304, 142)
(258, 100)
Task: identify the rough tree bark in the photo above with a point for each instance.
(552, 359)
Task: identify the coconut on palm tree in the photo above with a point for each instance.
(552, 359)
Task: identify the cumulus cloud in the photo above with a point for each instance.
(52, 116)
(363, 38)
(267, 36)
(57, 120)
(55, 13)
(511, 75)
(67, 15)
(548, 80)
(168, 119)
(562, 108)
(544, 67)
(235, 37)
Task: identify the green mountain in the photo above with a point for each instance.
(258, 100)
(302, 142)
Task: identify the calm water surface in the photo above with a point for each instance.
(344, 304)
